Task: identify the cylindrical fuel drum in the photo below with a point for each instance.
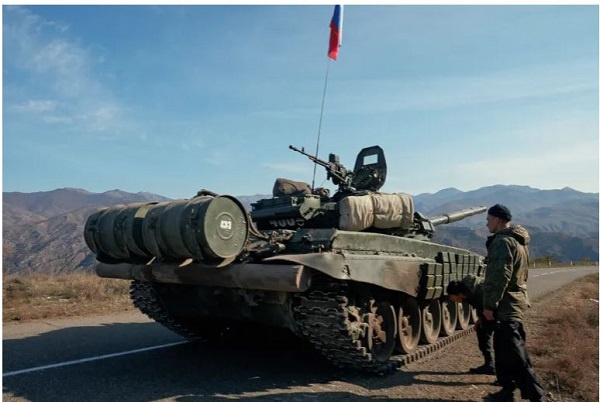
(205, 228)
(115, 233)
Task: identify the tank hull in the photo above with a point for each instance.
(410, 266)
(365, 299)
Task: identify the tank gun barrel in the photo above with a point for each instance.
(457, 216)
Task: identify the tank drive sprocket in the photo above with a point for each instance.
(326, 318)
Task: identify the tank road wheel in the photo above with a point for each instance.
(381, 330)
(409, 326)
(463, 313)
(448, 318)
(431, 317)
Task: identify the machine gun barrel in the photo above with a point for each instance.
(311, 157)
(457, 216)
(335, 170)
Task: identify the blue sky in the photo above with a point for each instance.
(178, 98)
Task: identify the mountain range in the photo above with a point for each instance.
(43, 231)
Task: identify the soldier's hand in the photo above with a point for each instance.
(488, 314)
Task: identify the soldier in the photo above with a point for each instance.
(505, 300)
(470, 290)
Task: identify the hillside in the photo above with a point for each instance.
(43, 232)
(566, 211)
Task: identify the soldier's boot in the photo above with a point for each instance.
(486, 368)
(504, 395)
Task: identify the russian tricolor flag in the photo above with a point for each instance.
(335, 37)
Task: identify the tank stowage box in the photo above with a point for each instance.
(356, 273)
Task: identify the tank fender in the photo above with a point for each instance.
(390, 272)
(273, 277)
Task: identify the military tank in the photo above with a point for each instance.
(355, 273)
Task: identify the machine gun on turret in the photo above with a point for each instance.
(339, 175)
(369, 172)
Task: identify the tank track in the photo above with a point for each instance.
(426, 350)
(322, 318)
(145, 298)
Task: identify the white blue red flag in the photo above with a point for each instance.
(335, 37)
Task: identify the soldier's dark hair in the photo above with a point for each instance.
(456, 287)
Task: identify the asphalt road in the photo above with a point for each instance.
(127, 357)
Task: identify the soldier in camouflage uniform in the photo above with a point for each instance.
(505, 300)
(470, 290)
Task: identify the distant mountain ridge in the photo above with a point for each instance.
(43, 231)
(17, 206)
(567, 210)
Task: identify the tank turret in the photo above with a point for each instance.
(355, 200)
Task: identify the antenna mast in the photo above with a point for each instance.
(320, 121)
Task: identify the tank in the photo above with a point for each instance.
(354, 273)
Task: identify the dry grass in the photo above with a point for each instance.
(563, 340)
(26, 298)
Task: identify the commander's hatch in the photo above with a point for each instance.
(370, 169)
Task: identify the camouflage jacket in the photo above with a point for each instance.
(505, 286)
(475, 298)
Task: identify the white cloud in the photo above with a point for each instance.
(35, 106)
(527, 82)
(57, 120)
(575, 164)
(56, 64)
(193, 145)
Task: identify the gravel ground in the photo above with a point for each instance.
(445, 376)
(441, 376)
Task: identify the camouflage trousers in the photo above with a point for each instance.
(485, 331)
(513, 366)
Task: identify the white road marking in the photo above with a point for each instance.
(547, 273)
(90, 359)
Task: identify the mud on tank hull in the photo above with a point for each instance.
(361, 308)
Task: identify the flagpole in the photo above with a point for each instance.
(320, 121)
(335, 41)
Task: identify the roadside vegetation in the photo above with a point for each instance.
(33, 297)
(562, 332)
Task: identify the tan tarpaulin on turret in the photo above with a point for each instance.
(382, 211)
(392, 210)
(356, 213)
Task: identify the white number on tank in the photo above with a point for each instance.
(226, 225)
